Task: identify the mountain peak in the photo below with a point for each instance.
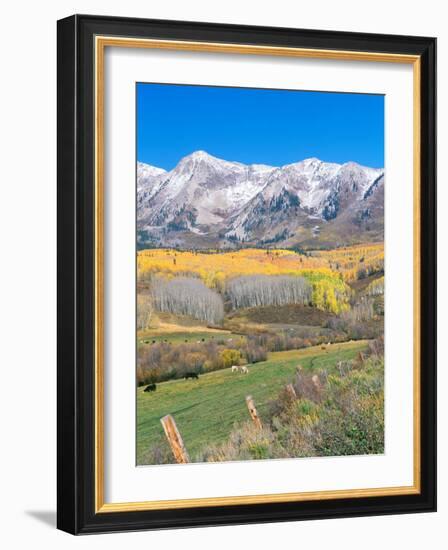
(200, 155)
(307, 164)
(311, 160)
(352, 164)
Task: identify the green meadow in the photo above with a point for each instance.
(207, 409)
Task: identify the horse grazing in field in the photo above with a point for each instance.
(192, 375)
(236, 368)
(150, 387)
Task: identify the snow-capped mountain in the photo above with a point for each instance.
(201, 190)
(205, 201)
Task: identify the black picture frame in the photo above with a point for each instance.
(76, 255)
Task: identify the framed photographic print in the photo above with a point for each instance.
(246, 274)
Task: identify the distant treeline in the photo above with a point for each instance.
(265, 290)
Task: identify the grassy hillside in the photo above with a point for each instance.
(206, 410)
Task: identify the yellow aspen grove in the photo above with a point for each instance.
(328, 271)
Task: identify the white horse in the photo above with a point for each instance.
(234, 368)
(244, 370)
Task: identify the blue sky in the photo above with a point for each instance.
(248, 125)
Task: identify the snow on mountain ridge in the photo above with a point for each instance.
(204, 192)
(149, 181)
(145, 171)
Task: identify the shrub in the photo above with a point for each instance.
(254, 353)
(246, 442)
(364, 320)
(307, 386)
(230, 357)
(158, 453)
(376, 347)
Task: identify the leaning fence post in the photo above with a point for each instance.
(253, 412)
(291, 391)
(175, 439)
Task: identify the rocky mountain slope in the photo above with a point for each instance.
(209, 202)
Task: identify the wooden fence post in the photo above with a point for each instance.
(290, 389)
(315, 380)
(175, 439)
(253, 412)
